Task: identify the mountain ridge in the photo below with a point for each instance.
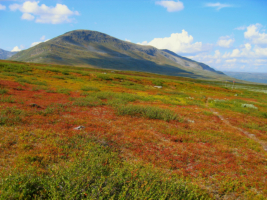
(6, 54)
(96, 49)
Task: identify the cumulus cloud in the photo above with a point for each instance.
(172, 6)
(254, 35)
(143, 43)
(44, 14)
(35, 43)
(241, 28)
(42, 40)
(218, 5)
(225, 41)
(2, 7)
(16, 48)
(178, 43)
(27, 16)
(231, 60)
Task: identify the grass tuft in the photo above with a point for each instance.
(150, 112)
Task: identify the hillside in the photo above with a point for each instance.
(6, 54)
(95, 49)
(86, 133)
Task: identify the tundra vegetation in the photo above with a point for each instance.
(190, 139)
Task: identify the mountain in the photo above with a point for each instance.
(6, 54)
(95, 49)
(248, 76)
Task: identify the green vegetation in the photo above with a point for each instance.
(3, 91)
(99, 174)
(89, 88)
(147, 111)
(100, 134)
(87, 101)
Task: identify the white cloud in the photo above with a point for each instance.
(254, 35)
(44, 14)
(2, 7)
(27, 16)
(16, 48)
(42, 38)
(14, 7)
(127, 40)
(235, 53)
(172, 6)
(178, 43)
(35, 43)
(225, 42)
(241, 28)
(143, 43)
(231, 60)
(218, 5)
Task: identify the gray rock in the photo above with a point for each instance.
(79, 128)
(249, 106)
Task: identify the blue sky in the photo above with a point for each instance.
(227, 35)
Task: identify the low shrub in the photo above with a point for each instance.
(11, 116)
(87, 101)
(89, 88)
(3, 90)
(150, 112)
(64, 91)
(8, 99)
(98, 174)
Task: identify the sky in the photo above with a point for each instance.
(227, 35)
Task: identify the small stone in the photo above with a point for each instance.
(79, 128)
(236, 95)
(34, 105)
(159, 87)
(191, 121)
(249, 106)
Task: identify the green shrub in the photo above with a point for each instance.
(157, 82)
(64, 91)
(8, 99)
(59, 77)
(14, 68)
(88, 101)
(65, 73)
(104, 77)
(98, 174)
(23, 80)
(3, 90)
(11, 116)
(89, 88)
(150, 112)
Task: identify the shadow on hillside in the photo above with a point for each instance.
(131, 64)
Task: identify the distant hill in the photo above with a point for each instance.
(248, 76)
(6, 54)
(95, 49)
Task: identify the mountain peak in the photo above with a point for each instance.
(96, 49)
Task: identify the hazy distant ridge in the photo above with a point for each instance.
(249, 76)
(6, 54)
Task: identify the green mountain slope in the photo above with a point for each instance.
(95, 49)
